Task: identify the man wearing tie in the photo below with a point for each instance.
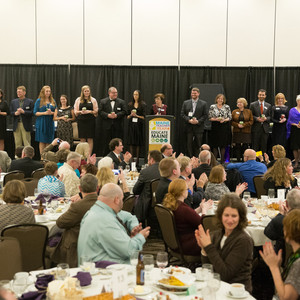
(194, 113)
(261, 111)
(112, 111)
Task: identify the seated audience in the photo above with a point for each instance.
(5, 161)
(142, 187)
(119, 159)
(14, 212)
(287, 284)
(105, 162)
(18, 152)
(66, 250)
(88, 169)
(230, 248)
(50, 183)
(107, 232)
(49, 155)
(216, 186)
(167, 151)
(70, 179)
(280, 176)
(204, 158)
(213, 160)
(278, 151)
(249, 168)
(187, 220)
(274, 230)
(26, 163)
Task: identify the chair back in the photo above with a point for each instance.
(30, 185)
(76, 139)
(259, 186)
(209, 222)
(18, 175)
(128, 203)
(32, 239)
(153, 188)
(38, 173)
(10, 258)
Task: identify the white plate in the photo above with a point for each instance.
(246, 294)
(182, 270)
(162, 289)
(41, 219)
(147, 290)
(129, 268)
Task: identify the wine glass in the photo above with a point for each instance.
(134, 258)
(162, 260)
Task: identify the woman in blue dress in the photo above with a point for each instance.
(44, 108)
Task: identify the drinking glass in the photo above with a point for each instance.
(207, 271)
(162, 259)
(62, 271)
(215, 282)
(246, 196)
(127, 169)
(134, 258)
(149, 266)
(36, 192)
(271, 193)
(20, 283)
(54, 205)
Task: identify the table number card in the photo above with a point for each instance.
(119, 283)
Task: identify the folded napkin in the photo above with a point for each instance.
(104, 263)
(41, 196)
(84, 278)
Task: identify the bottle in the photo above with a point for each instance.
(41, 208)
(140, 271)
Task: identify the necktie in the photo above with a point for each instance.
(124, 225)
(119, 158)
(261, 108)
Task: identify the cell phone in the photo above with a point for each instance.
(258, 153)
(116, 172)
(58, 141)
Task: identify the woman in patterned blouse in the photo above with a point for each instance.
(220, 115)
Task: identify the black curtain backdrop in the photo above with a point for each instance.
(174, 82)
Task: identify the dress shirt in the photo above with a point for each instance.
(194, 102)
(103, 237)
(70, 179)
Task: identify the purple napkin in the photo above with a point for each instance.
(33, 296)
(54, 240)
(104, 263)
(84, 278)
(41, 196)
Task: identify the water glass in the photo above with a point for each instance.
(246, 196)
(207, 271)
(62, 271)
(162, 259)
(134, 258)
(271, 193)
(20, 282)
(148, 260)
(54, 205)
(36, 192)
(215, 282)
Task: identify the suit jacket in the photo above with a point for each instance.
(116, 161)
(26, 164)
(255, 108)
(200, 114)
(162, 189)
(247, 122)
(142, 188)
(105, 109)
(66, 250)
(202, 168)
(26, 117)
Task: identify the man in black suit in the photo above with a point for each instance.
(194, 113)
(21, 109)
(142, 186)
(112, 111)
(116, 147)
(261, 111)
(26, 163)
(204, 167)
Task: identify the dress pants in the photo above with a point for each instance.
(21, 136)
(198, 140)
(259, 139)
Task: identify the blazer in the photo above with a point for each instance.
(248, 120)
(255, 108)
(66, 250)
(105, 108)
(26, 164)
(26, 117)
(116, 161)
(142, 188)
(200, 114)
(203, 168)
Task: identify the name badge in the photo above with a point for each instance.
(162, 109)
(190, 114)
(60, 110)
(134, 120)
(27, 107)
(237, 113)
(277, 108)
(118, 108)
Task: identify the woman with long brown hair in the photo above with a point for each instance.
(44, 108)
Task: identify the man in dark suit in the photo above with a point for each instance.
(26, 163)
(112, 111)
(21, 109)
(142, 186)
(261, 111)
(116, 148)
(204, 167)
(194, 113)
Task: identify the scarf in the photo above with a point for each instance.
(290, 262)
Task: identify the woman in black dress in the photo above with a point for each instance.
(280, 114)
(4, 111)
(64, 115)
(136, 116)
(86, 111)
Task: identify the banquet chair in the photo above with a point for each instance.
(30, 185)
(128, 203)
(38, 173)
(259, 186)
(210, 222)
(167, 225)
(32, 239)
(18, 175)
(10, 258)
(153, 188)
(76, 139)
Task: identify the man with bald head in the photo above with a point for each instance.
(50, 155)
(249, 168)
(107, 232)
(204, 158)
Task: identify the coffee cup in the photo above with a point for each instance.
(237, 289)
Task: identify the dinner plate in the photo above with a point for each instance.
(180, 270)
(170, 290)
(129, 268)
(41, 219)
(245, 295)
(147, 290)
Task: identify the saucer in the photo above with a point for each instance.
(245, 295)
